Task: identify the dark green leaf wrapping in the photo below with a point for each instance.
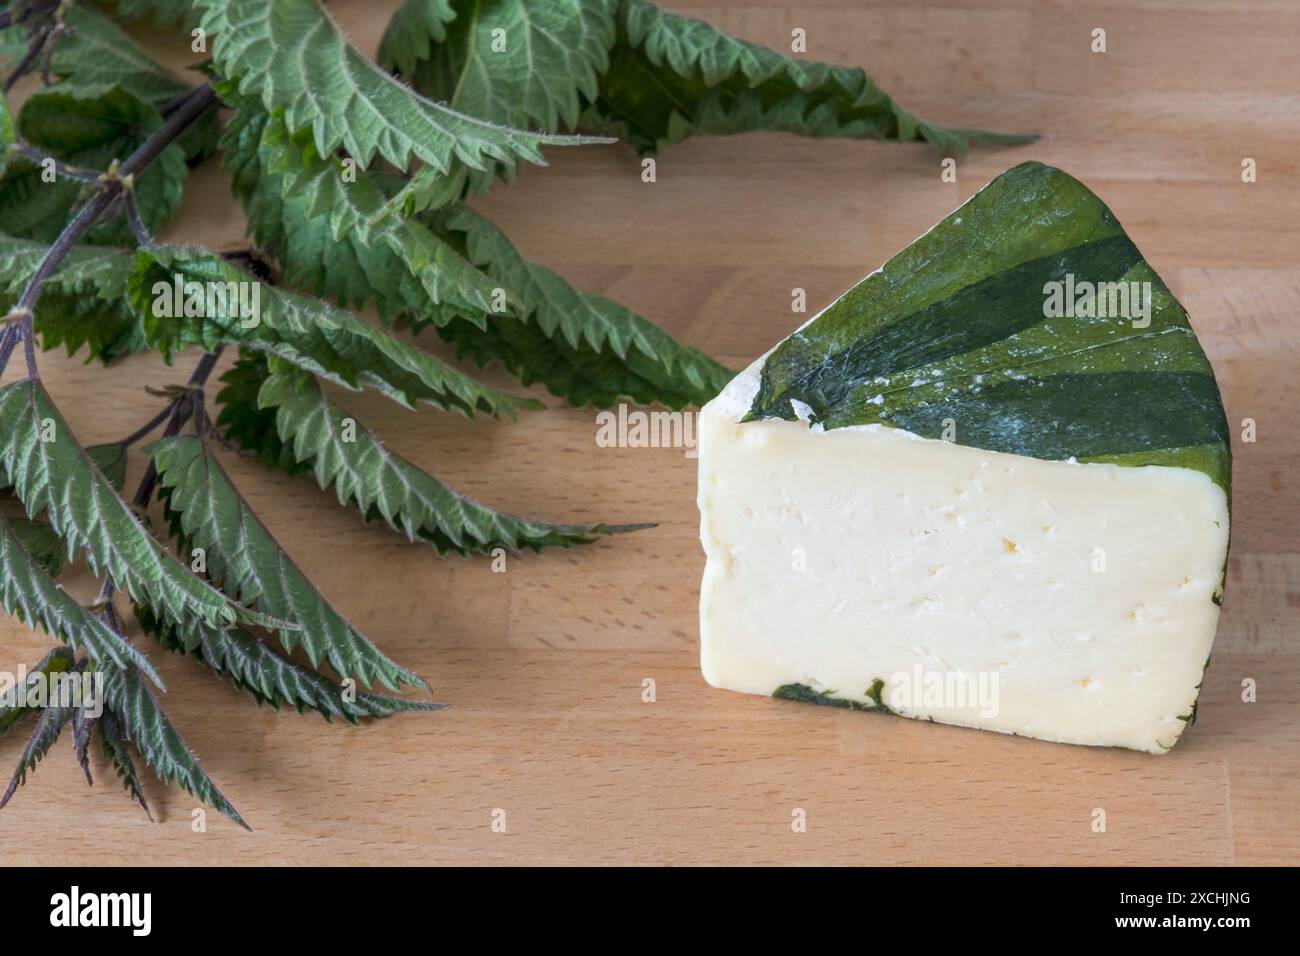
(955, 328)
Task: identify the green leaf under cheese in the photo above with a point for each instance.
(981, 332)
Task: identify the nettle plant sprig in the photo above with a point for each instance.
(354, 177)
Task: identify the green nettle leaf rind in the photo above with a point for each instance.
(246, 562)
(88, 127)
(273, 679)
(28, 591)
(57, 661)
(961, 326)
(553, 54)
(309, 333)
(84, 302)
(51, 472)
(286, 420)
(582, 330)
(145, 725)
(671, 77)
(292, 55)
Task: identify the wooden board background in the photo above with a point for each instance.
(543, 665)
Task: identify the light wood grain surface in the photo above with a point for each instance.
(543, 665)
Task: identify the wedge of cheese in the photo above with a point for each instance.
(984, 487)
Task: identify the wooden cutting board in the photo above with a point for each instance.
(544, 665)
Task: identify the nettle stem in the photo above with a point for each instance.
(117, 183)
(177, 412)
(109, 189)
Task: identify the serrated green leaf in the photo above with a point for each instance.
(306, 332)
(148, 728)
(51, 472)
(118, 752)
(99, 53)
(28, 591)
(414, 29)
(13, 45)
(12, 710)
(163, 13)
(242, 420)
(84, 302)
(50, 722)
(399, 280)
(245, 561)
(8, 134)
(44, 548)
(87, 127)
(672, 76)
(383, 485)
(583, 347)
(293, 56)
(273, 679)
(553, 53)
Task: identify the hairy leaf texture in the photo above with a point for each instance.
(248, 563)
(294, 419)
(84, 303)
(28, 591)
(582, 347)
(310, 257)
(145, 725)
(293, 56)
(87, 127)
(272, 678)
(99, 53)
(51, 472)
(672, 76)
(12, 712)
(333, 230)
(50, 722)
(117, 751)
(309, 333)
(553, 54)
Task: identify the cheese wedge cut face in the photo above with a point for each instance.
(962, 494)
